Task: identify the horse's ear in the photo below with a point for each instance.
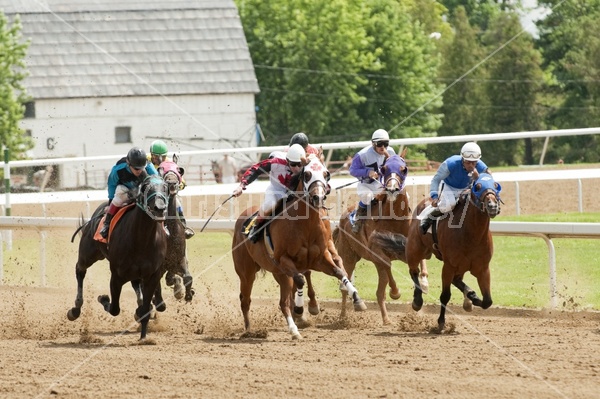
(175, 158)
(180, 170)
(384, 169)
(307, 176)
(403, 153)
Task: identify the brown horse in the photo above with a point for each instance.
(462, 240)
(390, 213)
(136, 250)
(299, 241)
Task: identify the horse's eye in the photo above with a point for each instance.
(327, 176)
(478, 187)
(307, 176)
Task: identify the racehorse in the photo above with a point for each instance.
(390, 213)
(137, 248)
(296, 240)
(461, 240)
(175, 263)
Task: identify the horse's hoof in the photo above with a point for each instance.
(298, 311)
(360, 306)
(467, 305)
(296, 337)
(162, 307)
(441, 328)
(395, 294)
(73, 314)
(314, 310)
(416, 307)
(424, 283)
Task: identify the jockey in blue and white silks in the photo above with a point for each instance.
(453, 176)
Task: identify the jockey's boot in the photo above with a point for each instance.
(189, 232)
(427, 221)
(361, 213)
(104, 231)
(256, 229)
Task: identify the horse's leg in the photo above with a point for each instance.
(187, 282)
(158, 301)
(470, 297)
(137, 288)
(313, 305)
(359, 304)
(384, 273)
(298, 308)
(112, 306)
(483, 280)
(447, 277)
(142, 313)
(80, 272)
(175, 281)
(246, 283)
(286, 287)
(423, 277)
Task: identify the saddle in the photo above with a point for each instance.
(113, 223)
(264, 232)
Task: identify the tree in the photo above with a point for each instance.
(465, 100)
(515, 81)
(12, 93)
(340, 68)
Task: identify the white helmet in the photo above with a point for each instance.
(470, 152)
(380, 135)
(296, 153)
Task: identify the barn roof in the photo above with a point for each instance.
(106, 48)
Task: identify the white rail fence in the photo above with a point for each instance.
(545, 230)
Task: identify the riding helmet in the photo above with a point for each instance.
(136, 158)
(380, 135)
(295, 153)
(470, 152)
(158, 147)
(299, 138)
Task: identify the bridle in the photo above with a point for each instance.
(153, 186)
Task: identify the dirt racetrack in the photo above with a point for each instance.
(196, 351)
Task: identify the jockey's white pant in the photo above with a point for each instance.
(367, 191)
(272, 195)
(448, 197)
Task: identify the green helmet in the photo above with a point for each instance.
(158, 147)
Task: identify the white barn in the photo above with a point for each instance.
(107, 75)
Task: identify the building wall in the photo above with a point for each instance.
(86, 127)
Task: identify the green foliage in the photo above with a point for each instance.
(12, 93)
(340, 68)
(515, 80)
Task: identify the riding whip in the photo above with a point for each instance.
(347, 184)
(213, 214)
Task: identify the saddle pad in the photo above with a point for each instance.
(113, 223)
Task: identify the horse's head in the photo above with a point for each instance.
(172, 175)
(394, 175)
(153, 197)
(486, 195)
(315, 178)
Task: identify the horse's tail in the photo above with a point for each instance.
(391, 243)
(82, 224)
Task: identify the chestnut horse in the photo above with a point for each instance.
(299, 241)
(136, 250)
(462, 241)
(390, 213)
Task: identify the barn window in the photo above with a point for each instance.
(29, 110)
(123, 134)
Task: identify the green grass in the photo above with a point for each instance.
(519, 268)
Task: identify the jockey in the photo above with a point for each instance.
(453, 176)
(123, 181)
(365, 167)
(158, 154)
(281, 167)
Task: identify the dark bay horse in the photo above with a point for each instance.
(300, 240)
(137, 248)
(176, 263)
(463, 243)
(391, 213)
